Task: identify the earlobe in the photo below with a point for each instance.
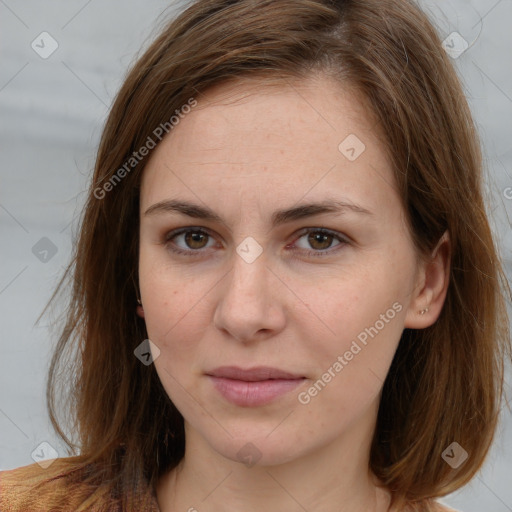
(139, 309)
(434, 278)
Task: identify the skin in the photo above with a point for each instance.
(245, 151)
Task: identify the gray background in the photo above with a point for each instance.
(52, 112)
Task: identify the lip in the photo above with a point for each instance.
(257, 373)
(253, 387)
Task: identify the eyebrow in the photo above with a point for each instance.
(278, 217)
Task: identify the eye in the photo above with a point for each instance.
(196, 239)
(321, 239)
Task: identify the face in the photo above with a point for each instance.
(320, 294)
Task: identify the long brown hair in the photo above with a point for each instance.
(446, 381)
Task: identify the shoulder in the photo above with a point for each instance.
(34, 488)
(64, 486)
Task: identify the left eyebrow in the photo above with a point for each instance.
(278, 217)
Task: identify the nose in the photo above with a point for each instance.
(251, 302)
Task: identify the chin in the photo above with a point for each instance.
(258, 450)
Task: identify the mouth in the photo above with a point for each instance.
(254, 386)
(260, 373)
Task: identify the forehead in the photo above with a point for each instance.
(279, 142)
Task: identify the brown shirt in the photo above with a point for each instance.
(35, 489)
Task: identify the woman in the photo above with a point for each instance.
(286, 294)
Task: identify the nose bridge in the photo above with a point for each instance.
(249, 271)
(244, 306)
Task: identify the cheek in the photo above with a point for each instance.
(172, 323)
(358, 317)
(170, 298)
(351, 369)
(362, 346)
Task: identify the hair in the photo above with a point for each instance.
(445, 383)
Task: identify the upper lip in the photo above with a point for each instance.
(252, 374)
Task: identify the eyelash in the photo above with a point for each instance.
(318, 253)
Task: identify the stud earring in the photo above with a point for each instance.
(423, 311)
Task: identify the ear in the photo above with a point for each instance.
(432, 285)
(140, 311)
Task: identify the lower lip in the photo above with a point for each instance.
(252, 394)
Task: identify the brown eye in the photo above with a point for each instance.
(192, 241)
(320, 240)
(195, 239)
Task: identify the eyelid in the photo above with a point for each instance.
(341, 237)
(180, 231)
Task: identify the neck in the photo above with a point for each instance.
(333, 477)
